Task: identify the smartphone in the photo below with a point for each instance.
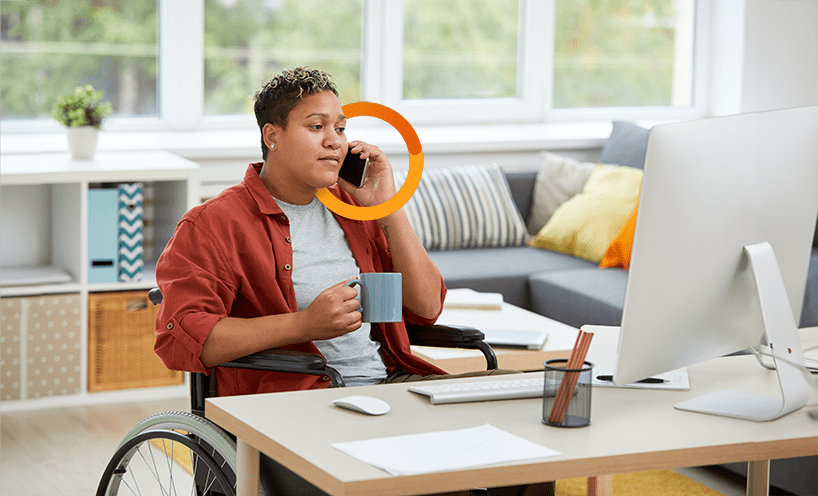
(354, 169)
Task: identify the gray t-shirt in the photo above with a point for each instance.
(322, 258)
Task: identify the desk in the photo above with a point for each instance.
(631, 430)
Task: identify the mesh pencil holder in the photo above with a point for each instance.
(567, 394)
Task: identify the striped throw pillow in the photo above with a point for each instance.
(466, 206)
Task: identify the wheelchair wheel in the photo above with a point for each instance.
(172, 453)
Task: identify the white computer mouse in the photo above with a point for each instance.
(363, 404)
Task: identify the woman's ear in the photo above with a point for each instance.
(268, 132)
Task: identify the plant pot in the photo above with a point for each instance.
(82, 141)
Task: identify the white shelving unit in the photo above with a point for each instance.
(44, 223)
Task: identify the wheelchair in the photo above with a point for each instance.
(184, 453)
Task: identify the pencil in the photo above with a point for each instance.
(569, 379)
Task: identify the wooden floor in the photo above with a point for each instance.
(63, 451)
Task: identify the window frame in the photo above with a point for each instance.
(699, 79)
(180, 78)
(533, 70)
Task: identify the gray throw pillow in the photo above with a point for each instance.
(626, 145)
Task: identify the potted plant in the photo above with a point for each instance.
(81, 113)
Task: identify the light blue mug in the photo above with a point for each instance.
(380, 295)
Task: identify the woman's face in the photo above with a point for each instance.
(310, 151)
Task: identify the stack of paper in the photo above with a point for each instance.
(469, 299)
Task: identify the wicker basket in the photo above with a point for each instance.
(120, 343)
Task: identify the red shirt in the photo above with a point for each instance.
(231, 256)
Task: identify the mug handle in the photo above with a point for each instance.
(353, 283)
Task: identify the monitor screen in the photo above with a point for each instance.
(710, 188)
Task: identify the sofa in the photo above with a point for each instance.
(567, 288)
(564, 287)
(559, 286)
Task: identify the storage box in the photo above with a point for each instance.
(41, 346)
(120, 343)
(10, 350)
(103, 247)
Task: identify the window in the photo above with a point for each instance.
(460, 49)
(248, 41)
(49, 48)
(623, 54)
(461, 61)
(530, 60)
(434, 61)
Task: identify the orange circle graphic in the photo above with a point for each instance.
(412, 179)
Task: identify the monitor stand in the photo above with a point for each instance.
(785, 346)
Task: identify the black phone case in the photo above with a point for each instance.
(354, 169)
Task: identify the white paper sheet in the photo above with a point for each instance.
(444, 451)
(446, 353)
(675, 380)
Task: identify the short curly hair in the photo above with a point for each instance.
(278, 96)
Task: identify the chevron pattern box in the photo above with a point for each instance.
(130, 232)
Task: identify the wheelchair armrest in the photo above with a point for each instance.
(452, 336)
(287, 361)
(271, 360)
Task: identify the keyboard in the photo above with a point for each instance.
(464, 392)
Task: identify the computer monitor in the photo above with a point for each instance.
(711, 188)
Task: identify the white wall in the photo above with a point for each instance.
(764, 55)
(781, 54)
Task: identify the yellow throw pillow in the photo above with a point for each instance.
(586, 224)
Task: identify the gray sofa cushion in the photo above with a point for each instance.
(521, 185)
(582, 296)
(626, 145)
(501, 270)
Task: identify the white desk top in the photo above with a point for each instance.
(631, 430)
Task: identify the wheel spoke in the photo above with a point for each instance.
(170, 462)
(123, 481)
(154, 471)
(195, 471)
(209, 484)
